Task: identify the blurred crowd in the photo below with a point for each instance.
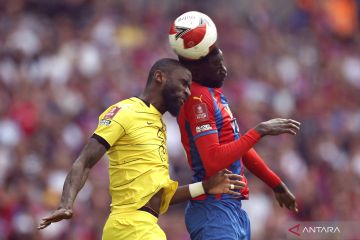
(62, 62)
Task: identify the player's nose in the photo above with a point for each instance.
(223, 68)
(187, 92)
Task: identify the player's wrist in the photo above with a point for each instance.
(67, 206)
(197, 189)
(280, 188)
(254, 134)
(260, 129)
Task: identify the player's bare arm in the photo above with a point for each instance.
(285, 197)
(222, 182)
(75, 180)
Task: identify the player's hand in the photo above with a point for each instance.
(224, 182)
(285, 197)
(56, 216)
(278, 126)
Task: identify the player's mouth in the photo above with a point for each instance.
(222, 73)
(181, 101)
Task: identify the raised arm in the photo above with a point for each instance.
(202, 120)
(216, 156)
(75, 180)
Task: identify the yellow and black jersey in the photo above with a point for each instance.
(135, 136)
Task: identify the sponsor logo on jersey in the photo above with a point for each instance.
(201, 112)
(202, 128)
(104, 122)
(198, 98)
(112, 113)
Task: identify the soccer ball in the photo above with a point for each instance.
(192, 35)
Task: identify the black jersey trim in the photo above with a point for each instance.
(101, 141)
(144, 101)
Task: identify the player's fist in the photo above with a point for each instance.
(56, 216)
(278, 126)
(224, 182)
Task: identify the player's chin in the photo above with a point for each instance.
(174, 109)
(222, 78)
(219, 83)
(174, 112)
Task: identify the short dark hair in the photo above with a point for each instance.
(164, 65)
(188, 62)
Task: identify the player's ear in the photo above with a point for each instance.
(159, 77)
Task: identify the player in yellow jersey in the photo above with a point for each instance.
(133, 135)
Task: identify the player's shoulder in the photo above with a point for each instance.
(129, 104)
(199, 94)
(197, 88)
(122, 108)
(200, 101)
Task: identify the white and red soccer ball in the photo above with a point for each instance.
(192, 35)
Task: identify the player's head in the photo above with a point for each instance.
(209, 71)
(171, 80)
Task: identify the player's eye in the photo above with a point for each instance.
(185, 83)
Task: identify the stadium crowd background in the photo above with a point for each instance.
(63, 62)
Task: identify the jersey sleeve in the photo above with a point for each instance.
(200, 112)
(254, 163)
(112, 125)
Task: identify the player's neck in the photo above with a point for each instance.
(206, 83)
(154, 100)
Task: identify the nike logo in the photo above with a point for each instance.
(198, 98)
(149, 123)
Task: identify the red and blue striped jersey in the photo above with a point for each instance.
(211, 139)
(206, 112)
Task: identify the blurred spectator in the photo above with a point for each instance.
(62, 62)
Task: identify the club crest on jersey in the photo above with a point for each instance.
(201, 112)
(112, 113)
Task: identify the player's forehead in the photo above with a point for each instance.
(216, 57)
(182, 72)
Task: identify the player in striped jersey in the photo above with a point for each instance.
(211, 138)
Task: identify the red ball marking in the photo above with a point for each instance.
(194, 36)
(172, 29)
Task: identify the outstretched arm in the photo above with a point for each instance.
(222, 182)
(200, 122)
(254, 163)
(257, 166)
(216, 156)
(75, 180)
